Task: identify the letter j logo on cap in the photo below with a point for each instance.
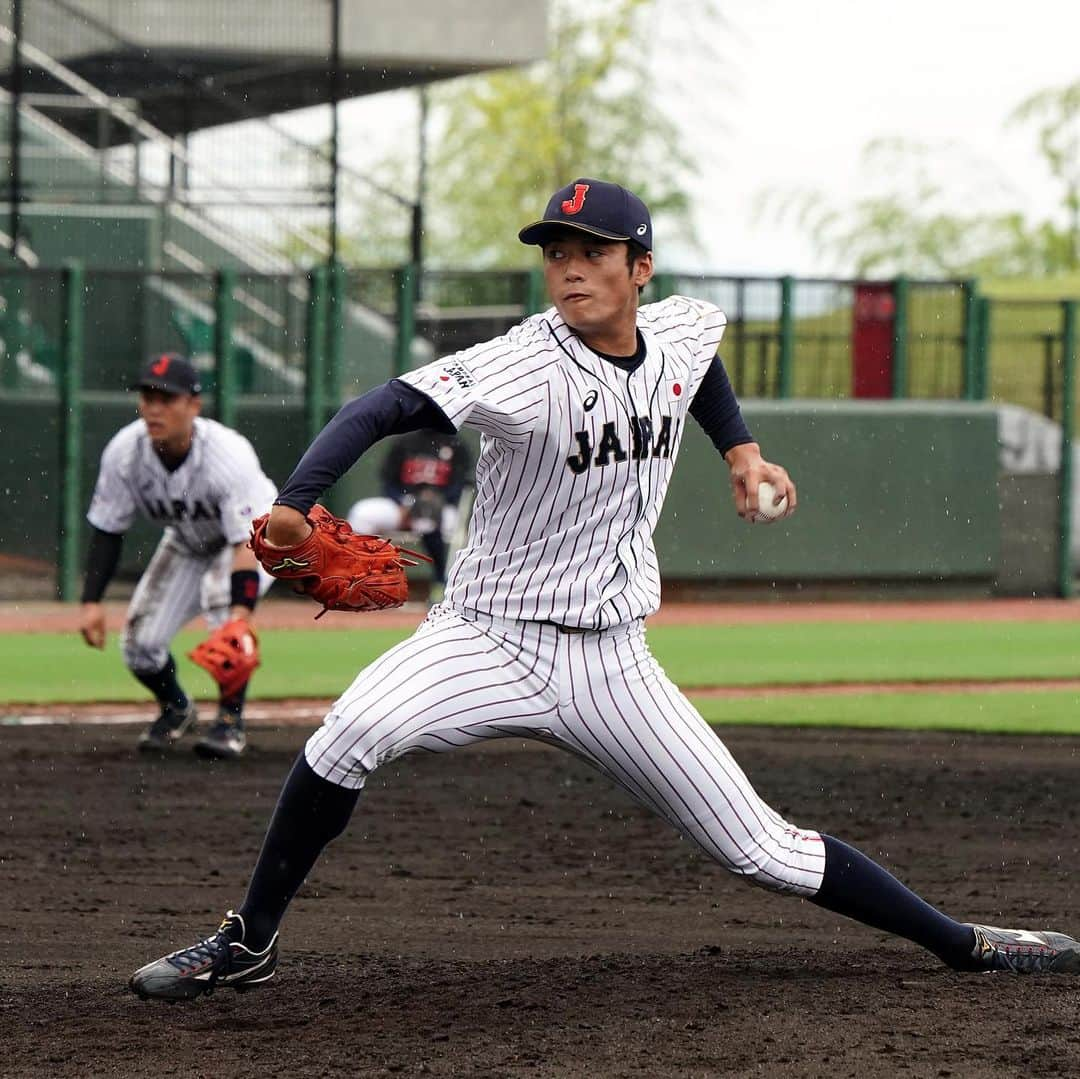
(573, 206)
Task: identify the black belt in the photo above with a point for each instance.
(568, 629)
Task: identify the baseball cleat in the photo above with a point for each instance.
(1024, 952)
(219, 960)
(225, 739)
(169, 728)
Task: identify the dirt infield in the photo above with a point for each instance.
(504, 911)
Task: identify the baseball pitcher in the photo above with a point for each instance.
(582, 411)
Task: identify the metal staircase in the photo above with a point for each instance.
(192, 215)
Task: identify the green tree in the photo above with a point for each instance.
(1055, 113)
(907, 222)
(502, 142)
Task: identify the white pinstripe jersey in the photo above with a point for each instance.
(206, 503)
(574, 464)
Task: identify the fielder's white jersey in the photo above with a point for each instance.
(575, 460)
(206, 503)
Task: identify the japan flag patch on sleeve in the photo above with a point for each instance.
(456, 371)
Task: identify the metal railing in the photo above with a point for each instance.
(68, 334)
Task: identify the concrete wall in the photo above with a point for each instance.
(905, 492)
(887, 491)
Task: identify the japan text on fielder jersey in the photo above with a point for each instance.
(206, 503)
(574, 463)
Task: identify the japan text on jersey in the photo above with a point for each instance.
(207, 502)
(575, 460)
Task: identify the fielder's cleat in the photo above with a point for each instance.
(225, 739)
(219, 960)
(169, 727)
(1024, 952)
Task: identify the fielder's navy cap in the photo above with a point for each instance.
(595, 207)
(169, 372)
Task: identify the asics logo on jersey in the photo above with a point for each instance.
(574, 205)
(610, 447)
(590, 400)
(290, 563)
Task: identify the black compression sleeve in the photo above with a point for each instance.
(102, 557)
(390, 409)
(244, 588)
(717, 410)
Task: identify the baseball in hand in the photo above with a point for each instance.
(768, 508)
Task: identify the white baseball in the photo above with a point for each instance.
(768, 511)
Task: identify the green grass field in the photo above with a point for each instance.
(984, 712)
(44, 668)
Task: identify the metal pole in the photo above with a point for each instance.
(335, 344)
(739, 332)
(406, 318)
(70, 430)
(665, 285)
(982, 354)
(416, 247)
(15, 154)
(224, 353)
(785, 373)
(335, 97)
(971, 337)
(900, 337)
(534, 292)
(315, 354)
(1065, 472)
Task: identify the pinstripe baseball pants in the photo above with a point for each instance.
(175, 587)
(600, 695)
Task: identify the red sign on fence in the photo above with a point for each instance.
(872, 319)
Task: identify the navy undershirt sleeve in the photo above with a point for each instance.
(391, 409)
(717, 411)
(102, 557)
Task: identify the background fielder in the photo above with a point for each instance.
(203, 482)
(423, 476)
(582, 410)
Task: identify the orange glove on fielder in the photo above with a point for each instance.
(337, 567)
(230, 654)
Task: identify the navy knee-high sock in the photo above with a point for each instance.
(234, 705)
(311, 811)
(861, 889)
(163, 684)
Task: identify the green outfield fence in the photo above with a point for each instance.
(306, 341)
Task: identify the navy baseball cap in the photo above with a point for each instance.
(596, 207)
(169, 372)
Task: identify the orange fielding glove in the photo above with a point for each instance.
(230, 654)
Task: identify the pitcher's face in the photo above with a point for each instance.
(591, 282)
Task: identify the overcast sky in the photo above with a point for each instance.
(813, 82)
(801, 87)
